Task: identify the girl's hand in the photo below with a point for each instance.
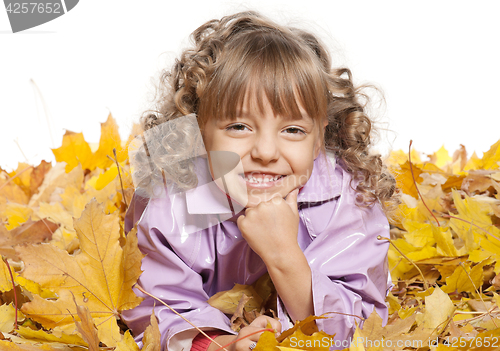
(258, 324)
(270, 225)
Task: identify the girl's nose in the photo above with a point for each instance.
(265, 149)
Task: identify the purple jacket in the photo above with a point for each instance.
(339, 239)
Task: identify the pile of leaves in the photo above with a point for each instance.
(68, 269)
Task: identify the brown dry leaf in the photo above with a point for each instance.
(460, 155)
(479, 183)
(86, 327)
(238, 319)
(28, 233)
(100, 277)
(10, 191)
(30, 178)
(227, 301)
(54, 183)
(152, 337)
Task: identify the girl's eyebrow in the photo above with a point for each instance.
(248, 114)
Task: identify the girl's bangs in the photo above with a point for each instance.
(288, 76)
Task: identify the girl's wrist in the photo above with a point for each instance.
(283, 258)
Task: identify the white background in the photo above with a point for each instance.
(437, 62)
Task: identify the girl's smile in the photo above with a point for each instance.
(277, 153)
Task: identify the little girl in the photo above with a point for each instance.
(306, 198)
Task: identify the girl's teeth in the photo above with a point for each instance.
(261, 180)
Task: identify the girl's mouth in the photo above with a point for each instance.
(261, 180)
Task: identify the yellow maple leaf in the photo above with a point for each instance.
(404, 178)
(465, 278)
(5, 280)
(442, 157)
(438, 309)
(12, 346)
(16, 214)
(127, 344)
(444, 241)
(110, 139)
(419, 234)
(74, 150)
(100, 277)
(399, 157)
(491, 158)
(8, 318)
(44, 336)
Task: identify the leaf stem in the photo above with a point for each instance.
(13, 289)
(416, 187)
(466, 221)
(475, 288)
(410, 260)
(120, 175)
(141, 289)
(14, 177)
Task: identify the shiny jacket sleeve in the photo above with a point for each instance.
(348, 263)
(167, 276)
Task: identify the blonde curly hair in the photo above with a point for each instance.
(248, 52)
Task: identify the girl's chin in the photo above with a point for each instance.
(255, 199)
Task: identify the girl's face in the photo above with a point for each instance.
(276, 153)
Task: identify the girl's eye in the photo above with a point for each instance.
(237, 127)
(294, 130)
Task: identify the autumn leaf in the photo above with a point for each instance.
(127, 343)
(54, 337)
(10, 191)
(8, 318)
(439, 308)
(74, 150)
(404, 178)
(110, 139)
(86, 327)
(227, 301)
(100, 277)
(152, 336)
(29, 178)
(30, 232)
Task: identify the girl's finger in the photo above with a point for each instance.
(262, 321)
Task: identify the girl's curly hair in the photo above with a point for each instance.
(246, 52)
